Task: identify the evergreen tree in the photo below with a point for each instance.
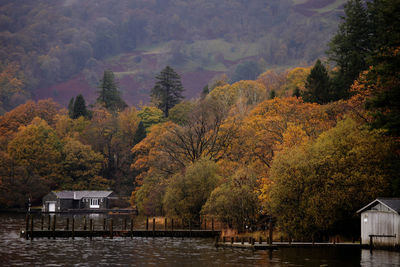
(109, 96)
(296, 92)
(71, 107)
(318, 85)
(272, 94)
(350, 47)
(167, 91)
(384, 76)
(79, 108)
(140, 133)
(205, 91)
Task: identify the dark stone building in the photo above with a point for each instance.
(77, 200)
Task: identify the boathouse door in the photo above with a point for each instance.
(52, 207)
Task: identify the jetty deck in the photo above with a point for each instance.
(118, 233)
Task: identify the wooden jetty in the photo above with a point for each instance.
(251, 243)
(108, 229)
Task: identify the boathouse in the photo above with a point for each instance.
(61, 201)
(380, 222)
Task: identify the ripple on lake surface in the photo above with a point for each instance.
(15, 251)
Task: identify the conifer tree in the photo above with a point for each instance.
(79, 108)
(351, 46)
(109, 95)
(318, 85)
(71, 107)
(167, 91)
(140, 133)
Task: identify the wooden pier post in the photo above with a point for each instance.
(131, 228)
(41, 222)
(84, 223)
(212, 224)
(165, 224)
(104, 224)
(125, 224)
(147, 223)
(205, 223)
(371, 244)
(190, 227)
(27, 227)
(67, 226)
(260, 240)
(111, 228)
(242, 240)
(172, 225)
(91, 228)
(270, 228)
(154, 226)
(223, 239)
(232, 239)
(54, 226)
(31, 227)
(48, 222)
(73, 227)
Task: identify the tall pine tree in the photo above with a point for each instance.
(318, 85)
(79, 108)
(167, 91)
(351, 46)
(109, 95)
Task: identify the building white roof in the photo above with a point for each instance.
(391, 203)
(82, 194)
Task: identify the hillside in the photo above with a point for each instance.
(63, 46)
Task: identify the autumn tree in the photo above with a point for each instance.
(317, 187)
(109, 95)
(11, 87)
(167, 91)
(37, 148)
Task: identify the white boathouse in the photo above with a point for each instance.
(380, 222)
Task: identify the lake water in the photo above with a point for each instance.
(16, 251)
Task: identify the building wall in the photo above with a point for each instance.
(85, 203)
(50, 197)
(375, 222)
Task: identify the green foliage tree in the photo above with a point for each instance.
(187, 193)
(317, 87)
(109, 95)
(82, 167)
(235, 201)
(180, 113)
(167, 91)
(351, 46)
(318, 187)
(150, 115)
(79, 108)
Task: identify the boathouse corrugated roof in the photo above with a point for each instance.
(82, 194)
(391, 203)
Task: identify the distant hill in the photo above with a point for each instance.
(63, 46)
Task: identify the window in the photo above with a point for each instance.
(94, 203)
